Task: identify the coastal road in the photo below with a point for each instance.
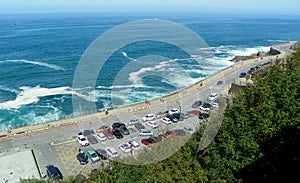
(57, 146)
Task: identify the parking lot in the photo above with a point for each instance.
(63, 155)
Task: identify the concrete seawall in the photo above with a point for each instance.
(140, 106)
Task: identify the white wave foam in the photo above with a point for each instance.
(30, 95)
(280, 41)
(123, 86)
(51, 66)
(8, 89)
(249, 51)
(126, 56)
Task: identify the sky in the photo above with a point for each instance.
(193, 6)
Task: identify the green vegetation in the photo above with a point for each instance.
(257, 141)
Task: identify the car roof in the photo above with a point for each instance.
(91, 151)
(145, 130)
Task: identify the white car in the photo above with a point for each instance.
(152, 124)
(166, 120)
(215, 105)
(82, 140)
(101, 136)
(206, 107)
(145, 132)
(213, 96)
(111, 152)
(149, 117)
(125, 147)
(134, 145)
(173, 111)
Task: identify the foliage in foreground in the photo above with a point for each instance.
(257, 141)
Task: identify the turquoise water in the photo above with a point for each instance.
(39, 55)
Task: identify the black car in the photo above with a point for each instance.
(172, 118)
(124, 130)
(88, 132)
(117, 133)
(179, 116)
(53, 173)
(102, 154)
(117, 125)
(196, 104)
(82, 158)
(92, 139)
(203, 116)
(139, 126)
(243, 74)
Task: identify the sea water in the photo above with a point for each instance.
(39, 54)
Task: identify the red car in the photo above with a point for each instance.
(149, 141)
(108, 134)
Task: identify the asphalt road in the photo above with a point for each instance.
(63, 153)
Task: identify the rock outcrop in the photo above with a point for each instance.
(273, 51)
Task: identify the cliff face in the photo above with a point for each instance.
(273, 51)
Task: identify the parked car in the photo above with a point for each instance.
(111, 152)
(82, 158)
(179, 116)
(92, 139)
(102, 128)
(166, 120)
(152, 124)
(206, 107)
(117, 133)
(139, 126)
(101, 136)
(117, 125)
(148, 141)
(173, 111)
(213, 96)
(54, 173)
(108, 134)
(203, 116)
(178, 132)
(243, 74)
(215, 105)
(82, 140)
(196, 104)
(185, 115)
(125, 147)
(102, 154)
(124, 130)
(172, 118)
(88, 132)
(145, 132)
(134, 145)
(133, 121)
(149, 117)
(92, 156)
(188, 130)
(161, 114)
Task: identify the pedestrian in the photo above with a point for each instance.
(106, 112)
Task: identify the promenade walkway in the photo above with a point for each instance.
(140, 106)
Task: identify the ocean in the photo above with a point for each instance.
(39, 54)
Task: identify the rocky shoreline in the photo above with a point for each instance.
(272, 51)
